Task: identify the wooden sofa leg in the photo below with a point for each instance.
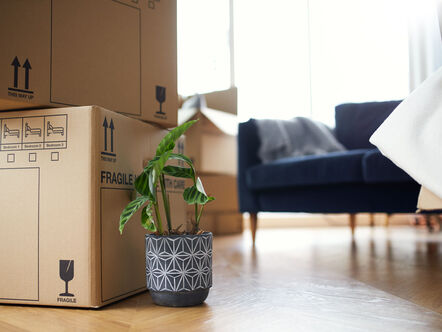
(371, 219)
(253, 225)
(439, 221)
(352, 223)
(428, 222)
(387, 220)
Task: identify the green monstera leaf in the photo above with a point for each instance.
(155, 171)
(142, 184)
(153, 184)
(179, 172)
(199, 186)
(130, 210)
(152, 178)
(181, 157)
(168, 142)
(196, 194)
(146, 218)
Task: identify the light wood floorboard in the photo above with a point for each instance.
(294, 280)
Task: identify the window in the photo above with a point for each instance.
(294, 58)
(359, 53)
(203, 46)
(271, 58)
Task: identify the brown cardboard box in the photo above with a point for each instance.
(221, 216)
(66, 174)
(428, 201)
(211, 142)
(117, 54)
(224, 100)
(222, 223)
(224, 189)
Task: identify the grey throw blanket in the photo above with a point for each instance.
(297, 137)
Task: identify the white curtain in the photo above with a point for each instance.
(424, 39)
(359, 53)
(302, 58)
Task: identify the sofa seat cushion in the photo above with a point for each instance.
(330, 168)
(376, 169)
(356, 122)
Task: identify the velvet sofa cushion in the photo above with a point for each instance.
(355, 123)
(376, 169)
(330, 168)
(342, 198)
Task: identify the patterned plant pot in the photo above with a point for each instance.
(179, 268)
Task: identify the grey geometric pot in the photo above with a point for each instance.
(179, 268)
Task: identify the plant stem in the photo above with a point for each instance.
(157, 213)
(199, 217)
(196, 218)
(166, 202)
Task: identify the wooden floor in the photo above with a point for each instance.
(295, 280)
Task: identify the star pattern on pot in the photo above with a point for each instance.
(181, 263)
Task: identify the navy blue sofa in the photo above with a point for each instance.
(354, 181)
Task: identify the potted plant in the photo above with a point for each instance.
(178, 263)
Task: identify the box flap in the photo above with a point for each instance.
(224, 100)
(226, 123)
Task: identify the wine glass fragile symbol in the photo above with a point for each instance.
(66, 274)
(160, 94)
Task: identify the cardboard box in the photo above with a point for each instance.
(220, 223)
(224, 189)
(428, 201)
(211, 142)
(66, 174)
(221, 216)
(224, 100)
(117, 54)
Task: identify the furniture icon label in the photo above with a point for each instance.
(33, 128)
(33, 133)
(55, 132)
(11, 134)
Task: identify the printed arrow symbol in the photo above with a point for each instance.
(27, 66)
(105, 125)
(16, 64)
(111, 126)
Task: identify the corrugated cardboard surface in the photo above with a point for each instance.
(224, 189)
(212, 150)
(118, 54)
(66, 175)
(428, 201)
(224, 100)
(220, 223)
(221, 216)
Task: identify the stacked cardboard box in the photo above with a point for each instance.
(211, 144)
(67, 173)
(221, 216)
(120, 55)
(225, 100)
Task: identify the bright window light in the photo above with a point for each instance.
(203, 46)
(271, 58)
(359, 53)
(295, 58)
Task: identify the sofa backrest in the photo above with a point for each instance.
(356, 122)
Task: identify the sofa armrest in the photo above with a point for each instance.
(248, 145)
